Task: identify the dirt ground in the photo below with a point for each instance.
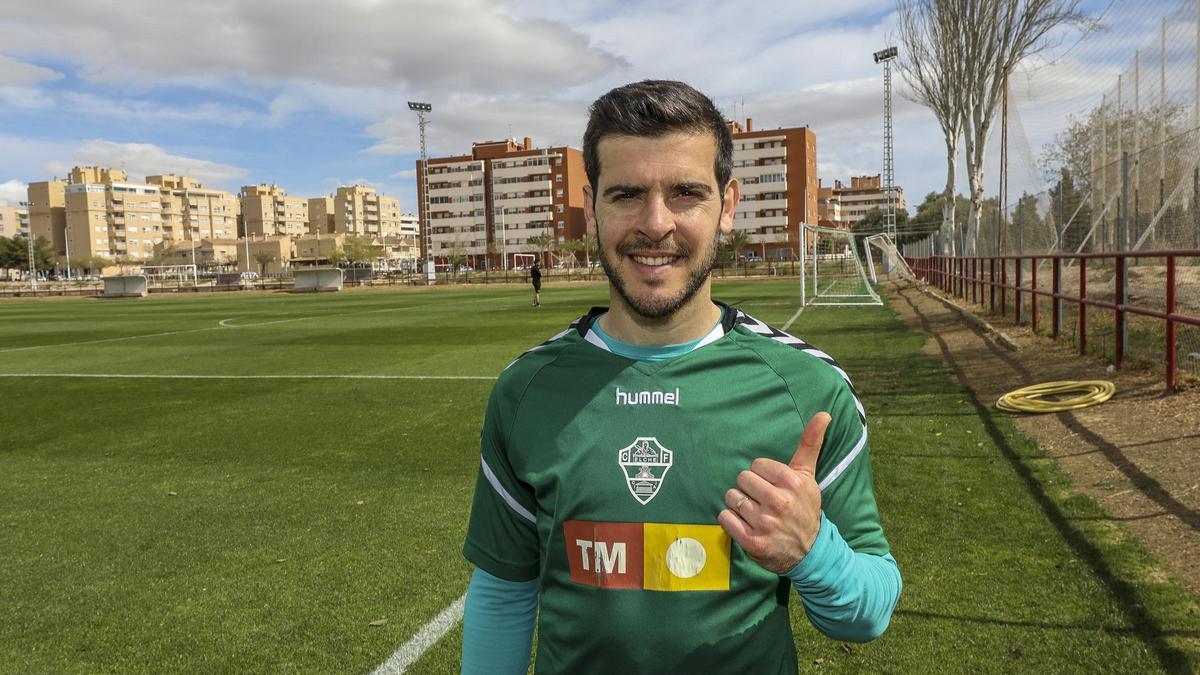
(1137, 455)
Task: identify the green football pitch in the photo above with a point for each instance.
(280, 483)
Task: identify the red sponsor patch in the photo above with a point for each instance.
(608, 555)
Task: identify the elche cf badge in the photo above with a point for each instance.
(645, 464)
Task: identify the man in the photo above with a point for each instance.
(535, 277)
(656, 477)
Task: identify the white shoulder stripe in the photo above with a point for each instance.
(595, 339)
(508, 499)
(845, 463)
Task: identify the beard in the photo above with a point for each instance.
(699, 267)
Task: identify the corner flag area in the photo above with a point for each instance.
(281, 482)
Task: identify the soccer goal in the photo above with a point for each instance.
(129, 286)
(314, 280)
(832, 268)
(522, 261)
(893, 262)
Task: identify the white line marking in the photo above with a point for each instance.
(136, 376)
(425, 638)
(116, 339)
(222, 324)
(792, 320)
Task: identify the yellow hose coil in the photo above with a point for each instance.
(1029, 399)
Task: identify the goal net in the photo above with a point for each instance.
(893, 263)
(522, 261)
(833, 271)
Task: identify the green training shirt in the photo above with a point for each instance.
(602, 477)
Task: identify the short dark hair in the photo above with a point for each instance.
(656, 108)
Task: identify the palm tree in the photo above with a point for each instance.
(736, 241)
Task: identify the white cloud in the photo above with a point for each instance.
(426, 45)
(18, 73)
(144, 159)
(13, 192)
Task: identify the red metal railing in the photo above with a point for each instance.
(975, 279)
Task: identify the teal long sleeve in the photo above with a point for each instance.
(847, 595)
(498, 624)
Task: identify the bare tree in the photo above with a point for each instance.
(997, 35)
(931, 61)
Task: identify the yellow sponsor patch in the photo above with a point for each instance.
(685, 557)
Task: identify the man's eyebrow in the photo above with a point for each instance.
(696, 186)
(624, 189)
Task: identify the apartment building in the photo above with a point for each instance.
(14, 220)
(490, 203)
(358, 210)
(844, 205)
(99, 212)
(320, 215)
(777, 172)
(268, 210)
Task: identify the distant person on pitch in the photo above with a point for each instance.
(660, 478)
(535, 277)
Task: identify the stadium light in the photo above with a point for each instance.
(885, 56)
(880, 56)
(423, 188)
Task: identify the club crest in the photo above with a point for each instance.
(645, 464)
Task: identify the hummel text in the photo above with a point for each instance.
(647, 397)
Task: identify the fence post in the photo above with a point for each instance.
(1033, 317)
(1056, 303)
(1003, 287)
(992, 283)
(1170, 324)
(1082, 306)
(1017, 299)
(1122, 290)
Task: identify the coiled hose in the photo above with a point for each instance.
(1031, 399)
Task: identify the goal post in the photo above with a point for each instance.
(527, 257)
(893, 262)
(832, 272)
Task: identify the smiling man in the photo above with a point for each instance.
(657, 477)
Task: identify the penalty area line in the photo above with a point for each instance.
(793, 319)
(151, 376)
(410, 652)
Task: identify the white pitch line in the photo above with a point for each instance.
(225, 325)
(151, 376)
(410, 652)
(793, 319)
(116, 339)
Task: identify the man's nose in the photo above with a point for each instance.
(659, 220)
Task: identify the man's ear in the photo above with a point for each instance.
(729, 203)
(589, 208)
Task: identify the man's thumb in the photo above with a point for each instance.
(805, 458)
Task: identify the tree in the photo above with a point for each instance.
(336, 257)
(737, 240)
(359, 250)
(541, 242)
(930, 61)
(14, 253)
(872, 223)
(956, 56)
(494, 250)
(590, 246)
(263, 258)
(997, 35)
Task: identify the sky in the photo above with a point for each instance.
(311, 95)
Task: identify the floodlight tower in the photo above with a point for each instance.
(421, 109)
(886, 56)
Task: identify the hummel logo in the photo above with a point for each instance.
(648, 397)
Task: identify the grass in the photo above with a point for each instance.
(263, 525)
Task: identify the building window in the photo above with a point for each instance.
(559, 208)
(561, 225)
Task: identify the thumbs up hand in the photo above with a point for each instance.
(775, 511)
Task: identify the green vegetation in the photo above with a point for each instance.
(263, 525)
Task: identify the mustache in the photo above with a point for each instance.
(639, 243)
